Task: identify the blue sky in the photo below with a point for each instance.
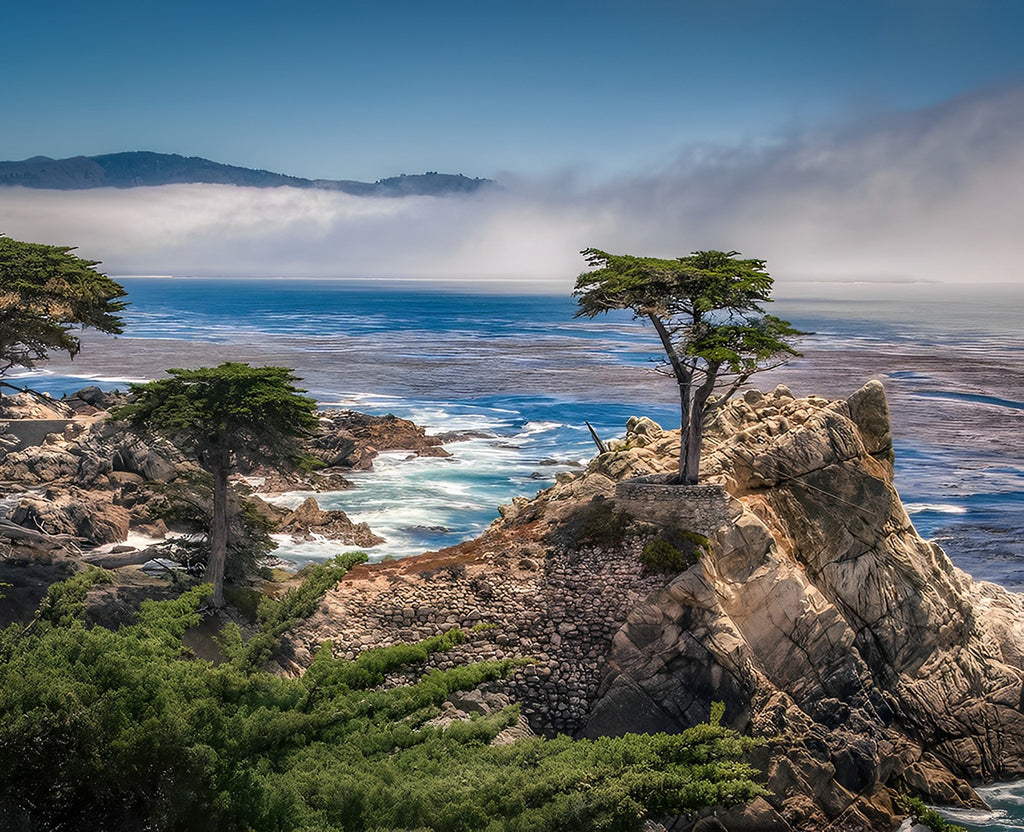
(840, 141)
(370, 89)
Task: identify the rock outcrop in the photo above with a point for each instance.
(868, 663)
(347, 439)
(309, 521)
(68, 473)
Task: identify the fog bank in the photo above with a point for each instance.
(929, 195)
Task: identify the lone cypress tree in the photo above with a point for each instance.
(707, 311)
(223, 415)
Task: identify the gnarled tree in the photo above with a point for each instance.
(45, 292)
(707, 311)
(224, 415)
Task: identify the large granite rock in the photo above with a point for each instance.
(867, 663)
(825, 623)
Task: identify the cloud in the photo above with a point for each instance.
(932, 194)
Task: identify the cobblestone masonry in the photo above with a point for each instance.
(697, 508)
(561, 610)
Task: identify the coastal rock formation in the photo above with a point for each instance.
(347, 439)
(309, 521)
(868, 663)
(275, 483)
(92, 519)
(71, 479)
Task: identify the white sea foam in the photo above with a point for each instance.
(531, 428)
(1006, 815)
(139, 541)
(936, 508)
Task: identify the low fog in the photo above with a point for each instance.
(932, 195)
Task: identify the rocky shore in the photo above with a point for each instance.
(792, 587)
(72, 482)
(869, 665)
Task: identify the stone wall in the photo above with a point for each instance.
(561, 610)
(696, 508)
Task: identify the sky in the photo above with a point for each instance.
(869, 140)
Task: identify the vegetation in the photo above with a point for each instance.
(707, 311)
(597, 523)
(125, 729)
(223, 416)
(916, 808)
(45, 291)
(674, 552)
(186, 505)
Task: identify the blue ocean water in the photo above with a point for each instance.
(526, 375)
(524, 370)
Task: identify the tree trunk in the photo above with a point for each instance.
(684, 378)
(690, 471)
(685, 421)
(218, 533)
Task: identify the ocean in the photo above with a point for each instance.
(526, 375)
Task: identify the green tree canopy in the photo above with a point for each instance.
(223, 416)
(45, 291)
(708, 311)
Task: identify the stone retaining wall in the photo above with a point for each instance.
(561, 610)
(561, 607)
(696, 508)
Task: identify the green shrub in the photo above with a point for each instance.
(674, 552)
(596, 523)
(245, 599)
(925, 815)
(125, 729)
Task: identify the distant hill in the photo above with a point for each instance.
(141, 168)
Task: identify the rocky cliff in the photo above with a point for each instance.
(793, 588)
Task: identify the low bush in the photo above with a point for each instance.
(673, 552)
(126, 729)
(597, 523)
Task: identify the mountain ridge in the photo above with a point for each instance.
(141, 168)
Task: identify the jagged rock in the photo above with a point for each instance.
(276, 482)
(87, 452)
(347, 439)
(76, 513)
(820, 618)
(28, 406)
(40, 464)
(309, 519)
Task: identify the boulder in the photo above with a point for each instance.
(91, 517)
(309, 521)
